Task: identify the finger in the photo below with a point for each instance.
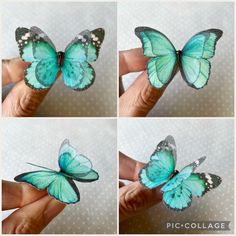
(15, 195)
(129, 168)
(132, 60)
(121, 184)
(13, 70)
(139, 98)
(22, 101)
(135, 198)
(32, 218)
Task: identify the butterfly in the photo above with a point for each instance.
(178, 187)
(45, 62)
(60, 184)
(165, 61)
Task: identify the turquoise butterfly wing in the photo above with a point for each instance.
(197, 184)
(161, 165)
(179, 190)
(59, 186)
(163, 64)
(78, 74)
(75, 165)
(195, 66)
(35, 47)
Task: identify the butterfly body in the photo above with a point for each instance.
(178, 187)
(60, 58)
(165, 61)
(45, 62)
(60, 184)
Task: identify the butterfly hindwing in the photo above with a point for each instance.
(194, 64)
(77, 75)
(178, 198)
(64, 190)
(163, 65)
(161, 165)
(182, 175)
(197, 184)
(75, 165)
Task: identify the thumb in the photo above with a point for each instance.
(139, 98)
(135, 198)
(22, 101)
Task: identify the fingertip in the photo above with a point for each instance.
(132, 60)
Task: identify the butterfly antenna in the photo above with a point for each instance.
(40, 166)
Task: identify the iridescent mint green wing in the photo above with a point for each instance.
(77, 73)
(195, 67)
(35, 47)
(39, 179)
(85, 46)
(197, 184)
(161, 165)
(163, 65)
(178, 198)
(60, 187)
(200, 183)
(75, 165)
(182, 175)
(64, 190)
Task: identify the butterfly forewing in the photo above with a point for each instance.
(161, 165)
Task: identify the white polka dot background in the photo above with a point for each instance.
(194, 139)
(38, 142)
(62, 22)
(179, 21)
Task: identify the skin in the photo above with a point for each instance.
(140, 97)
(35, 210)
(134, 198)
(21, 101)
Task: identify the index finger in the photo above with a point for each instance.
(129, 168)
(132, 60)
(13, 70)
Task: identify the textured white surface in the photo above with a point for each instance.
(179, 22)
(194, 138)
(38, 141)
(62, 22)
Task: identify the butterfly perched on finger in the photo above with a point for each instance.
(178, 187)
(45, 62)
(60, 184)
(165, 61)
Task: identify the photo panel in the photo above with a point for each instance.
(86, 39)
(157, 199)
(188, 67)
(92, 207)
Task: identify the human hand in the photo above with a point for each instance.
(134, 197)
(140, 97)
(21, 100)
(35, 208)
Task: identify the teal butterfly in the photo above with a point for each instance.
(60, 184)
(178, 187)
(45, 62)
(165, 61)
